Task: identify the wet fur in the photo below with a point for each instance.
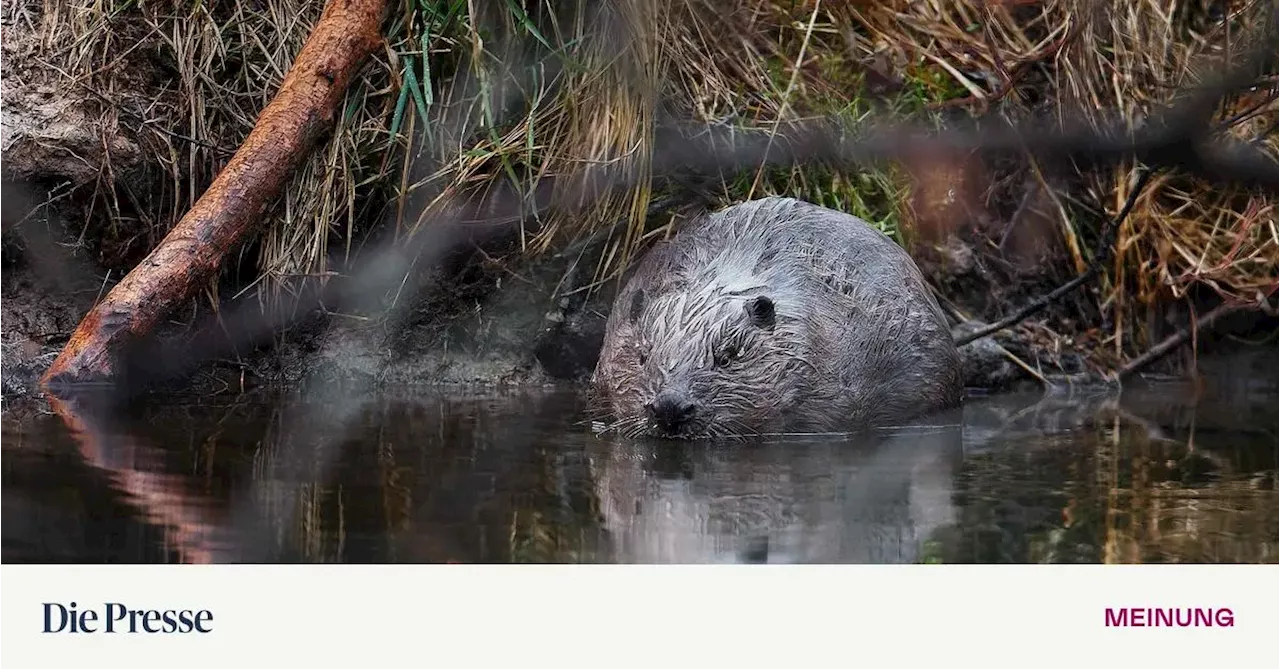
(856, 339)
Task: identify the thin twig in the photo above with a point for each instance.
(1106, 242)
(1179, 338)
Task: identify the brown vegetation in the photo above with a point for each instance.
(469, 95)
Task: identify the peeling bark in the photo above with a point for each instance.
(302, 111)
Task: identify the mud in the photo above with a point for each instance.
(507, 327)
(49, 130)
(55, 140)
(45, 288)
(33, 321)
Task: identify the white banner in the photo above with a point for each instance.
(639, 616)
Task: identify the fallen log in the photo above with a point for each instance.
(237, 201)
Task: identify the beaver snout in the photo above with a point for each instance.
(671, 411)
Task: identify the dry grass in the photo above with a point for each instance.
(190, 80)
(1183, 234)
(477, 93)
(1107, 59)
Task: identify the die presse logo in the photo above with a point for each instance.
(115, 618)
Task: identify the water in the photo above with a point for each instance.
(1161, 475)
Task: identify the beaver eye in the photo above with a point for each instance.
(644, 357)
(726, 355)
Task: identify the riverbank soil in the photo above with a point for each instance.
(35, 319)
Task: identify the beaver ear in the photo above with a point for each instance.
(761, 312)
(637, 306)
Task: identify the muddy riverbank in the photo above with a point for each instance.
(94, 178)
(471, 323)
(523, 325)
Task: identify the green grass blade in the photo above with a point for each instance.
(524, 20)
(398, 116)
(411, 82)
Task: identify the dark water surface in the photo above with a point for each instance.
(1158, 475)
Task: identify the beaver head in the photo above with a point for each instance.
(699, 356)
(774, 314)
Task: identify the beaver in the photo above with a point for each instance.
(773, 314)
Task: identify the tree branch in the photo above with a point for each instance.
(237, 201)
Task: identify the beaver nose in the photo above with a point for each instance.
(671, 410)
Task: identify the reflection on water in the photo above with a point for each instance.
(1149, 477)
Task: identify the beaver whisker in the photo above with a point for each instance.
(734, 430)
(629, 426)
(631, 429)
(606, 428)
